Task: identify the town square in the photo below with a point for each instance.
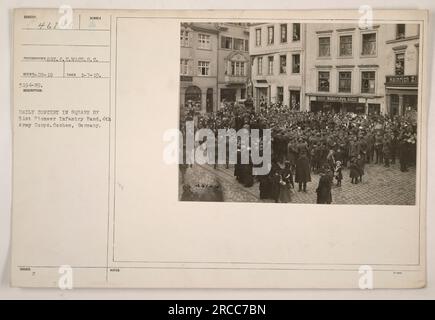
(341, 101)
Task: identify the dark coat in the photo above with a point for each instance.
(265, 187)
(275, 185)
(302, 169)
(361, 164)
(338, 174)
(287, 177)
(286, 182)
(291, 153)
(404, 150)
(324, 194)
(339, 156)
(237, 166)
(246, 177)
(353, 170)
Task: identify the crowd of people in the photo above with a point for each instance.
(322, 143)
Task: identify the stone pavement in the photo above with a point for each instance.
(380, 186)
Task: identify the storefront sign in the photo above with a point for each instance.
(186, 78)
(337, 99)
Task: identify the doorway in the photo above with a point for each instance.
(295, 100)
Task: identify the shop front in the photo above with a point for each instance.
(337, 104)
(228, 95)
(193, 97)
(402, 103)
(401, 94)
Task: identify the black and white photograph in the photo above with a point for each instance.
(335, 108)
(203, 149)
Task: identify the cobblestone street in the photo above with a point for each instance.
(380, 186)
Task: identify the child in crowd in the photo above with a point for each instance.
(337, 173)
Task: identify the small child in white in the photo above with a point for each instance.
(337, 173)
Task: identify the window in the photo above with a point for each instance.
(400, 64)
(368, 82)
(246, 45)
(296, 63)
(203, 68)
(280, 94)
(184, 67)
(323, 81)
(282, 64)
(283, 33)
(238, 44)
(324, 47)
(260, 65)
(270, 35)
(296, 31)
(184, 38)
(243, 93)
(226, 42)
(258, 37)
(369, 44)
(204, 41)
(270, 65)
(400, 31)
(345, 46)
(345, 81)
(295, 99)
(237, 68)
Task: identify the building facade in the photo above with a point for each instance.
(233, 62)
(316, 67)
(198, 65)
(277, 55)
(214, 64)
(401, 82)
(346, 68)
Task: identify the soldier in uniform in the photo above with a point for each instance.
(370, 140)
(378, 148)
(302, 172)
(403, 154)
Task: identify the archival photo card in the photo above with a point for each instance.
(219, 149)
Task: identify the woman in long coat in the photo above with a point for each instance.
(238, 165)
(302, 172)
(323, 191)
(286, 183)
(265, 186)
(274, 181)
